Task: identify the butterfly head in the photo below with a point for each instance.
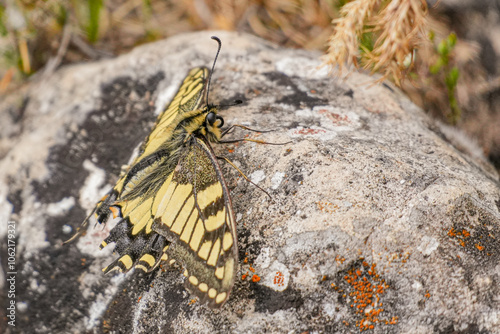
(213, 123)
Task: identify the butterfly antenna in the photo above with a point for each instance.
(235, 103)
(217, 39)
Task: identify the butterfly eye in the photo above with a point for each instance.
(221, 121)
(211, 118)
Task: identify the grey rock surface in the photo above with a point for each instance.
(378, 221)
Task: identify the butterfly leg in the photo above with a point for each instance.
(247, 139)
(102, 211)
(244, 176)
(245, 128)
(80, 229)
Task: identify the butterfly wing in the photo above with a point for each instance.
(133, 194)
(189, 97)
(193, 211)
(189, 220)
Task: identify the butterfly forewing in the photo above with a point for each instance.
(189, 97)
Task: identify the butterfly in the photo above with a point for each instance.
(173, 202)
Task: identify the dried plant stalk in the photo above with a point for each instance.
(343, 45)
(402, 26)
(399, 28)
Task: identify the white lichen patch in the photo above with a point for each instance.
(302, 67)
(337, 119)
(428, 245)
(276, 276)
(62, 207)
(31, 230)
(66, 229)
(306, 275)
(264, 259)
(22, 307)
(36, 286)
(90, 242)
(257, 176)
(417, 286)
(92, 189)
(277, 179)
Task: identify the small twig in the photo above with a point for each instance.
(54, 62)
(246, 178)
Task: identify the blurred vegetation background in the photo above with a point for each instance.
(444, 56)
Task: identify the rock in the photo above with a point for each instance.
(377, 220)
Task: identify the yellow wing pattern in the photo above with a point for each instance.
(188, 98)
(193, 211)
(174, 203)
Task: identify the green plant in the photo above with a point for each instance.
(94, 11)
(444, 66)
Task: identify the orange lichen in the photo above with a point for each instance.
(255, 278)
(366, 290)
(309, 131)
(252, 269)
(245, 260)
(279, 279)
(327, 207)
(335, 118)
(339, 260)
(465, 238)
(459, 235)
(139, 299)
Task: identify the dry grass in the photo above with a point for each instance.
(380, 36)
(47, 34)
(385, 37)
(376, 35)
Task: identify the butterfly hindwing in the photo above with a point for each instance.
(195, 214)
